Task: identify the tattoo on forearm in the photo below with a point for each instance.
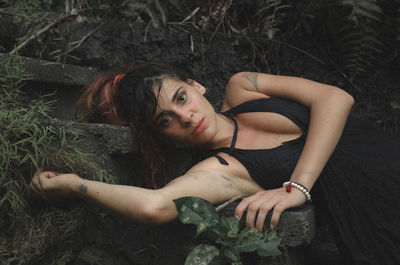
(252, 77)
(83, 188)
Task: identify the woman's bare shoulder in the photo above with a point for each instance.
(236, 91)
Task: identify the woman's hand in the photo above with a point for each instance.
(52, 186)
(263, 201)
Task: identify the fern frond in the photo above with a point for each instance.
(359, 41)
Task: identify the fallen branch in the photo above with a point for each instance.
(43, 30)
(81, 41)
(223, 205)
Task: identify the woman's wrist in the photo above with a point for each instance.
(74, 184)
(306, 180)
(289, 184)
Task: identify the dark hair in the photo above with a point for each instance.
(130, 98)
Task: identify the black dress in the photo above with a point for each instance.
(359, 188)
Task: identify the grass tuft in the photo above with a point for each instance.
(29, 226)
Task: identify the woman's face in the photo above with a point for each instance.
(183, 114)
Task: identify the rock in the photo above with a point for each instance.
(53, 72)
(296, 227)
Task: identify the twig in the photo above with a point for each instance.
(43, 30)
(191, 15)
(300, 50)
(224, 9)
(82, 40)
(147, 30)
(223, 205)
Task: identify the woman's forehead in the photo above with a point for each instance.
(168, 91)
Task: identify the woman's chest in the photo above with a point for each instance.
(264, 130)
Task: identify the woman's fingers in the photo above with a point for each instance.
(39, 182)
(276, 215)
(259, 204)
(33, 187)
(244, 204)
(35, 181)
(262, 214)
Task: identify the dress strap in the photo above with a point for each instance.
(234, 137)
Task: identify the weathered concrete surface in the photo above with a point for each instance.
(113, 140)
(296, 227)
(107, 147)
(53, 72)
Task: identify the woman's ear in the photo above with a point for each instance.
(197, 85)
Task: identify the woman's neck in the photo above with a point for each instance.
(225, 129)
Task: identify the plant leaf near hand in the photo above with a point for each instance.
(270, 246)
(202, 254)
(225, 233)
(194, 210)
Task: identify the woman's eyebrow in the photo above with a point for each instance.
(176, 94)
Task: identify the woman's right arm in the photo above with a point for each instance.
(144, 205)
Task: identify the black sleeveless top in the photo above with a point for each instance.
(269, 167)
(358, 189)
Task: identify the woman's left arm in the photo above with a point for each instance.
(329, 108)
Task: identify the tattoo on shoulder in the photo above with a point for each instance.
(252, 77)
(83, 188)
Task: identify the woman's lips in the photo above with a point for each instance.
(199, 127)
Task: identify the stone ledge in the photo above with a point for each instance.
(53, 72)
(110, 139)
(296, 226)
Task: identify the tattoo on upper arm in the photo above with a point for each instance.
(252, 77)
(83, 188)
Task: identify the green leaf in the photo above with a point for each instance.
(370, 6)
(248, 244)
(270, 246)
(232, 226)
(249, 231)
(202, 254)
(395, 104)
(194, 210)
(232, 254)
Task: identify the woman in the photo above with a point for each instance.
(276, 138)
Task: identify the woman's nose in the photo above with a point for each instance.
(185, 117)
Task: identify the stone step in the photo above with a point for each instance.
(110, 139)
(53, 72)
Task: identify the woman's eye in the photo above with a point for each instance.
(182, 97)
(166, 120)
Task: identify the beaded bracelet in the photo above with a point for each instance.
(289, 184)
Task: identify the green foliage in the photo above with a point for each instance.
(359, 37)
(226, 234)
(29, 227)
(348, 32)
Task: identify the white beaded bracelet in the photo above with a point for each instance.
(289, 184)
